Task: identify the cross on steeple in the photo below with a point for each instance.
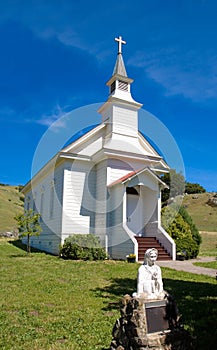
(120, 42)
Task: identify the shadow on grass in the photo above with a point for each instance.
(197, 303)
(18, 244)
(115, 291)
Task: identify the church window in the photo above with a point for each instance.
(51, 202)
(42, 203)
(34, 202)
(28, 203)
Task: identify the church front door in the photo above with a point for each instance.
(134, 213)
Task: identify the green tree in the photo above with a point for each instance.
(194, 230)
(176, 183)
(29, 225)
(181, 228)
(191, 188)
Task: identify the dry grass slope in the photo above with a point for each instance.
(11, 204)
(203, 215)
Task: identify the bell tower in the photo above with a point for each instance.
(120, 111)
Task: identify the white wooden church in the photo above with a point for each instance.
(106, 183)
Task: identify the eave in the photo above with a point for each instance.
(131, 175)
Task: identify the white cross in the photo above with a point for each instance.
(120, 42)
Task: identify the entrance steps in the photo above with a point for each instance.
(145, 243)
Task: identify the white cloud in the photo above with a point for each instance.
(183, 73)
(54, 120)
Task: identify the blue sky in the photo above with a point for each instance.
(57, 55)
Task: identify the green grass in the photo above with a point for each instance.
(49, 303)
(209, 264)
(203, 215)
(208, 246)
(10, 205)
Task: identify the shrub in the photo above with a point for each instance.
(82, 247)
(192, 188)
(182, 230)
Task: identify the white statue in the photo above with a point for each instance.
(149, 281)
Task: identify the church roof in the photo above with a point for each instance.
(119, 66)
(133, 174)
(79, 134)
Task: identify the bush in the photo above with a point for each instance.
(82, 247)
(182, 230)
(192, 188)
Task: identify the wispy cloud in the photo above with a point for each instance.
(54, 120)
(67, 24)
(183, 73)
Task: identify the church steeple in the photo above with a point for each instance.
(120, 111)
(119, 84)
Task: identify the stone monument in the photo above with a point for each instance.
(149, 319)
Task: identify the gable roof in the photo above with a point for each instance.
(79, 134)
(79, 139)
(133, 174)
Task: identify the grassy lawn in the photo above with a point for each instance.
(209, 244)
(210, 264)
(49, 303)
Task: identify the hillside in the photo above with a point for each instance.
(203, 215)
(11, 203)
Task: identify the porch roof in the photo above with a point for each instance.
(128, 177)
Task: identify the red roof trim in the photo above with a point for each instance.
(125, 177)
(132, 174)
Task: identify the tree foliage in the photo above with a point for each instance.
(191, 188)
(176, 183)
(181, 228)
(28, 225)
(178, 186)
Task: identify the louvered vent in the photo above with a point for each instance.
(112, 88)
(122, 86)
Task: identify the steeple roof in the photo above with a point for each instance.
(119, 83)
(119, 66)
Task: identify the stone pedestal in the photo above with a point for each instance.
(148, 325)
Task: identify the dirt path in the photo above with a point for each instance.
(188, 266)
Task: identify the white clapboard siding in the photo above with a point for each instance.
(101, 201)
(78, 199)
(117, 169)
(119, 242)
(125, 121)
(50, 236)
(92, 147)
(49, 243)
(119, 251)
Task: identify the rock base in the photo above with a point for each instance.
(131, 332)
